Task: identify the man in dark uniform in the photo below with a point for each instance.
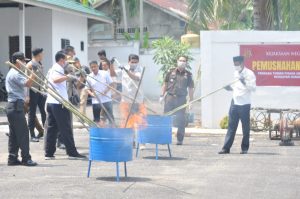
(178, 84)
(102, 57)
(36, 98)
(18, 131)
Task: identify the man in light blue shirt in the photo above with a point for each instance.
(18, 131)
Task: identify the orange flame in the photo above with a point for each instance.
(137, 118)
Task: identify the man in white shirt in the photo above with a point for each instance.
(131, 76)
(98, 80)
(240, 105)
(59, 118)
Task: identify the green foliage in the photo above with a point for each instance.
(127, 36)
(133, 7)
(167, 51)
(224, 122)
(136, 34)
(146, 40)
(136, 37)
(220, 14)
(233, 14)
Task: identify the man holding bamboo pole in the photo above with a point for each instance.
(59, 117)
(131, 76)
(94, 80)
(240, 105)
(18, 131)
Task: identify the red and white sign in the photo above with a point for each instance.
(273, 65)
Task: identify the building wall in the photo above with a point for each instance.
(72, 27)
(159, 23)
(37, 25)
(218, 48)
(9, 23)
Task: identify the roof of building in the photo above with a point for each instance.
(69, 6)
(176, 8)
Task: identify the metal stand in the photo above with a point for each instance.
(117, 170)
(89, 168)
(156, 150)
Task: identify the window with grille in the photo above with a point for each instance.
(65, 43)
(15, 47)
(130, 30)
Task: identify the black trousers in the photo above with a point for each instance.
(36, 100)
(59, 119)
(98, 112)
(18, 131)
(172, 102)
(237, 113)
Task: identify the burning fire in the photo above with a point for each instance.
(137, 118)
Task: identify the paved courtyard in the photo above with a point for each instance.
(195, 171)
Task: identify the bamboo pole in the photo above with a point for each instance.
(55, 95)
(136, 94)
(53, 89)
(197, 99)
(115, 90)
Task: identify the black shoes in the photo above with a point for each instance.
(29, 163)
(179, 143)
(17, 162)
(34, 139)
(14, 162)
(77, 156)
(50, 157)
(224, 151)
(243, 152)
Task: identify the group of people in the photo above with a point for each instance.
(74, 83)
(104, 83)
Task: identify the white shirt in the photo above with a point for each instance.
(55, 72)
(94, 80)
(241, 92)
(129, 86)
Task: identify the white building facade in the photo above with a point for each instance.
(45, 25)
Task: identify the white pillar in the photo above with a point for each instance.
(141, 22)
(22, 27)
(124, 15)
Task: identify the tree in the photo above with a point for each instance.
(263, 14)
(219, 14)
(167, 51)
(118, 8)
(244, 14)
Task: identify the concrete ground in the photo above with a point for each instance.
(195, 171)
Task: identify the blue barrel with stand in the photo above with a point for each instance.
(111, 145)
(158, 131)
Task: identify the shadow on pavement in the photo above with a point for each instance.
(263, 153)
(51, 165)
(164, 158)
(123, 179)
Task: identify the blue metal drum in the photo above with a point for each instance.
(111, 145)
(157, 131)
